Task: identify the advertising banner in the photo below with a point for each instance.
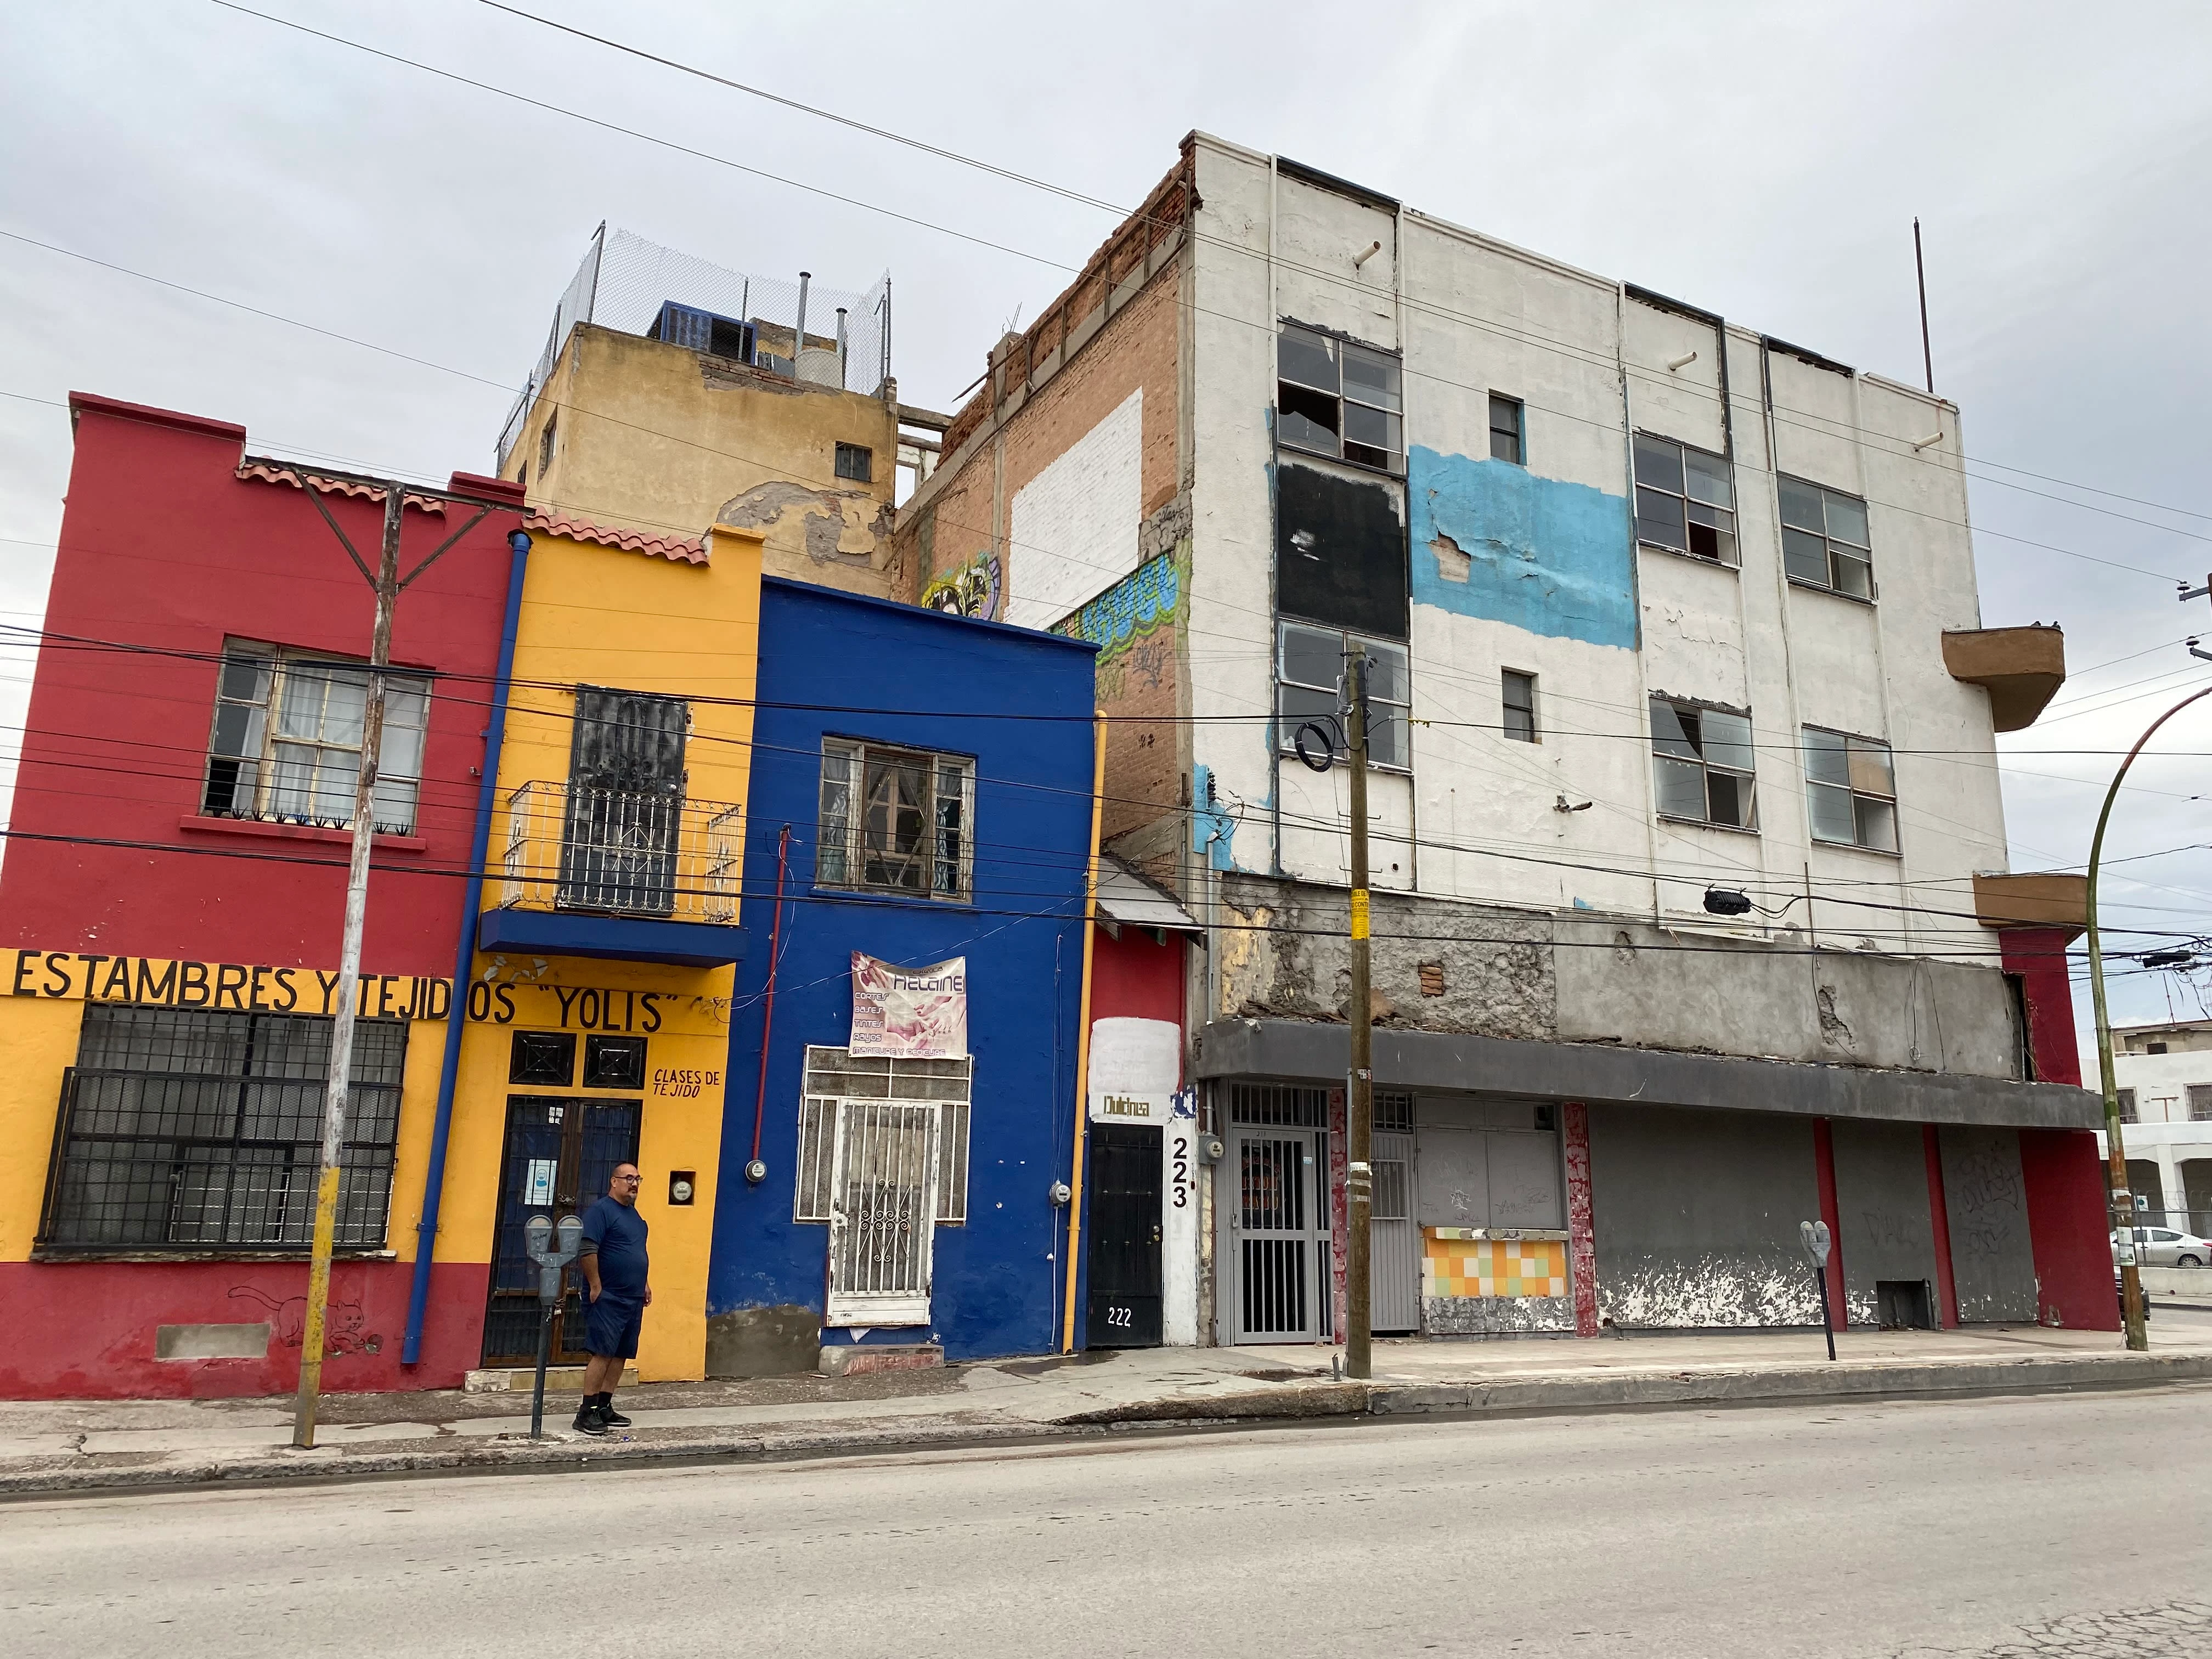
(910, 1013)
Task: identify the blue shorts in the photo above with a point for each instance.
(611, 1327)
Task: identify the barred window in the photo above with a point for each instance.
(189, 1129)
(286, 743)
(835, 1078)
(896, 821)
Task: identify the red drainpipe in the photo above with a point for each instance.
(756, 1171)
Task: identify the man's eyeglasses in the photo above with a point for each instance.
(629, 1178)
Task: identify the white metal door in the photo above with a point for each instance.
(1394, 1242)
(882, 1210)
(1281, 1223)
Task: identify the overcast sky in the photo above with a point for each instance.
(1763, 161)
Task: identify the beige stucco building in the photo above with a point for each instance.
(666, 401)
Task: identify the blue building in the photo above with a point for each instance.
(869, 1198)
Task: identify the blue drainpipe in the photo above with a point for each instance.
(433, 1177)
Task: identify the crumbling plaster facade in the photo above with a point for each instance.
(661, 438)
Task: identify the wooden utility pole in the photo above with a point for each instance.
(1359, 1181)
(337, 1084)
(340, 1078)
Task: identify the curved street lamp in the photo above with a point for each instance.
(2121, 1202)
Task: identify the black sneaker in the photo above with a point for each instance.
(588, 1420)
(611, 1418)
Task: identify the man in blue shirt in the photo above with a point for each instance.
(616, 1295)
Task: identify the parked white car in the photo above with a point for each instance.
(2163, 1247)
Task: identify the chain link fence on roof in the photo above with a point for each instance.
(638, 286)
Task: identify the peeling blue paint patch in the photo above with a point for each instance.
(1551, 558)
(1213, 831)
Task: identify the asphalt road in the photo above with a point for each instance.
(2055, 1525)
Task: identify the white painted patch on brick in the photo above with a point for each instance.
(1074, 525)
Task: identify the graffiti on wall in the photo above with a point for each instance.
(974, 590)
(1153, 596)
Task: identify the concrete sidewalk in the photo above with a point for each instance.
(106, 1445)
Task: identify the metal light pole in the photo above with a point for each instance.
(387, 584)
(2121, 1201)
(1359, 1180)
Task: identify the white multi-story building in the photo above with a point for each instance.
(1665, 617)
(2164, 1073)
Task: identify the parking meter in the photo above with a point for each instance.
(1817, 1240)
(538, 1234)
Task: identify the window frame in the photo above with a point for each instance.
(2196, 1101)
(259, 718)
(839, 462)
(2129, 1109)
(1853, 745)
(546, 439)
(1401, 707)
(196, 1069)
(1861, 553)
(1520, 431)
(1727, 537)
(821, 1110)
(1708, 768)
(1508, 708)
(1384, 402)
(851, 832)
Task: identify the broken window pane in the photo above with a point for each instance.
(1729, 798)
(1669, 735)
(1854, 576)
(1308, 358)
(1711, 533)
(1371, 426)
(1308, 418)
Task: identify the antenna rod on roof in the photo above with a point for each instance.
(798, 331)
(1920, 270)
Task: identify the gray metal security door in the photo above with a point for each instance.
(1281, 1223)
(1395, 1247)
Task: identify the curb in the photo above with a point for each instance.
(1499, 1396)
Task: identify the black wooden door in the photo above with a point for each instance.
(625, 802)
(1124, 1164)
(561, 1152)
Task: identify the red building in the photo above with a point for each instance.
(171, 906)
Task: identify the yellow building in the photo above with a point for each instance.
(598, 1011)
(668, 398)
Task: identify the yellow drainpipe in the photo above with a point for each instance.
(1083, 1030)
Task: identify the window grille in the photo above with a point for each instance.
(287, 737)
(188, 1129)
(896, 821)
(1824, 539)
(1333, 397)
(1393, 1112)
(837, 1078)
(856, 463)
(1278, 1105)
(1703, 764)
(1310, 670)
(1852, 790)
(1685, 500)
(2200, 1102)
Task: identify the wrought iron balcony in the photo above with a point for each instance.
(606, 872)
